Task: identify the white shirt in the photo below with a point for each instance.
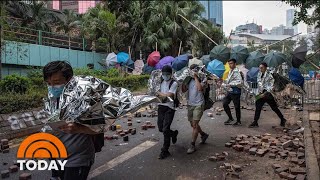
(164, 88)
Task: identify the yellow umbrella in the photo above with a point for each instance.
(226, 72)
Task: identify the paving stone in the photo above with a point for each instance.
(133, 132)
(213, 158)
(283, 155)
(235, 175)
(302, 163)
(272, 156)
(5, 174)
(300, 177)
(238, 139)
(246, 148)
(13, 168)
(252, 151)
(283, 175)
(282, 169)
(292, 154)
(227, 165)
(233, 142)
(237, 168)
(291, 177)
(261, 152)
(296, 171)
(300, 155)
(238, 147)
(25, 176)
(221, 157)
(294, 160)
(228, 145)
(274, 151)
(287, 144)
(4, 141)
(265, 139)
(301, 150)
(276, 166)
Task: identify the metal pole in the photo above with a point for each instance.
(278, 42)
(39, 37)
(198, 29)
(83, 44)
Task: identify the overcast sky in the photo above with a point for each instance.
(266, 13)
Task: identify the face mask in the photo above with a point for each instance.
(56, 91)
(166, 77)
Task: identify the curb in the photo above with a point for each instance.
(312, 166)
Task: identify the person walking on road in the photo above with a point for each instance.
(166, 110)
(233, 85)
(265, 88)
(195, 96)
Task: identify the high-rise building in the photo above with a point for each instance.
(77, 6)
(290, 17)
(213, 12)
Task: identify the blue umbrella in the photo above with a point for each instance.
(216, 67)
(252, 74)
(122, 58)
(296, 77)
(180, 62)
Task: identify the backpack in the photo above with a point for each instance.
(176, 101)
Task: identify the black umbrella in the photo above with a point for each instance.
(299, 56)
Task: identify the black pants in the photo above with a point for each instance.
(165, 118)
(268, 98)
(236, 101)
(72, 173)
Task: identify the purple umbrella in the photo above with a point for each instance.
(164, 61)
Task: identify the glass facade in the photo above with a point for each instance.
(213, 11)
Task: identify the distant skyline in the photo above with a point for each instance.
(266, 13)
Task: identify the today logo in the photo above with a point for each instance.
(41, 146)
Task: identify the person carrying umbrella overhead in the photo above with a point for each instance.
(265, 88)
(233, 85)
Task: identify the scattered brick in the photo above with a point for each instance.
(238, 139)
(283, 155)
(221, 157)
(115, 136)
(301, 144)
(291, 177)
(292, 154)
(5, 174)
(282, 169)
(129, 123)
(301, 150)
(283, 175)
(261, 152)
(238, 147)
(13, 168)
(4, 146)
(296, 171)
(119, 131)
(25, 176)
(125, 138)
(210, 114)
(294, 160)
(144, 127)
(5, 150)
(246, 148)
(213, 158)
(274, 151)
(126, 131)
(225, 153)
(107, 137)
(227, 165)
(265, 139)
(300, 155)
(252, 151)
(4, 141)
(228, 145)
(300, 177)
(287, 144)
(272, 156)
(302, 163)
(134, 131)
(236, 168)
(235, 175)
(233, 142)
(276, 166)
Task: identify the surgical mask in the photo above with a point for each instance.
(166, 77)
(56, 91)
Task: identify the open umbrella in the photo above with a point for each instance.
(111, 59)
(240, 53)
(274, 59)
(205, 59)
(244, 70)
(180, 62)
(130, 65)
(296, 77)
(147, 69)
(122, 58)
(153, 58)
(299, 56)
(195, 61)
(167, 60)
(226, 72)
(254, 59)
(252, 75)
(221, 53)
(216, 67)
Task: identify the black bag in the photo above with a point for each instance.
(208, 103)
(98, 141)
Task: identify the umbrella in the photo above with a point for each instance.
(299, 56)
(164, 61)
(180, 62)
(274, 59)
(111, 59)
(244, 70)
(205, 59)
(147, 69)
(221, 53)
(130, 65)
(240, 53)
(153, 58)
(296, 77)
(254, 59)
(226, 72)
(252, 74)
(122, 58)
(195, 61)
(216, 67)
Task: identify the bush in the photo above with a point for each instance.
(113, 72)
(35, 73)
(131, 82)
(14, 84)
(88, 72)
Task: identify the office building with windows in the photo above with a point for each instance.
(213, 12)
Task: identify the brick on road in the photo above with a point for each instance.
(13, 168)
(291, 177)
(5, 174)
(283, 175)
(237, 168)
(252, 151)
(300, 155)
(296, 171)
(227, 165)
(300, 177)
(276, 166)
(272, 156)
(287, 144)
(294, 160)
(228, 145)
(4, 141)
(282, 169)
(213, 158)
(25, 176)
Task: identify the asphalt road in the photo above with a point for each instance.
(138, 158)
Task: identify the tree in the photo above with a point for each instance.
(302, 14)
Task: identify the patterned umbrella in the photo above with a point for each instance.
(254, 59)
(240, 53)
(221, 53)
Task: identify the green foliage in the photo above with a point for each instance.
(14, 84)
(131, 82)
(88, 72)
(112, 73)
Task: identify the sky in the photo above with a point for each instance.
(266, 13)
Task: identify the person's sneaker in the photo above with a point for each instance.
(253, 125)
(204, 138)
(164, 154)
(174, 137)
(191, 149)
(283, 122)
(238, 123)
(228, 122)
